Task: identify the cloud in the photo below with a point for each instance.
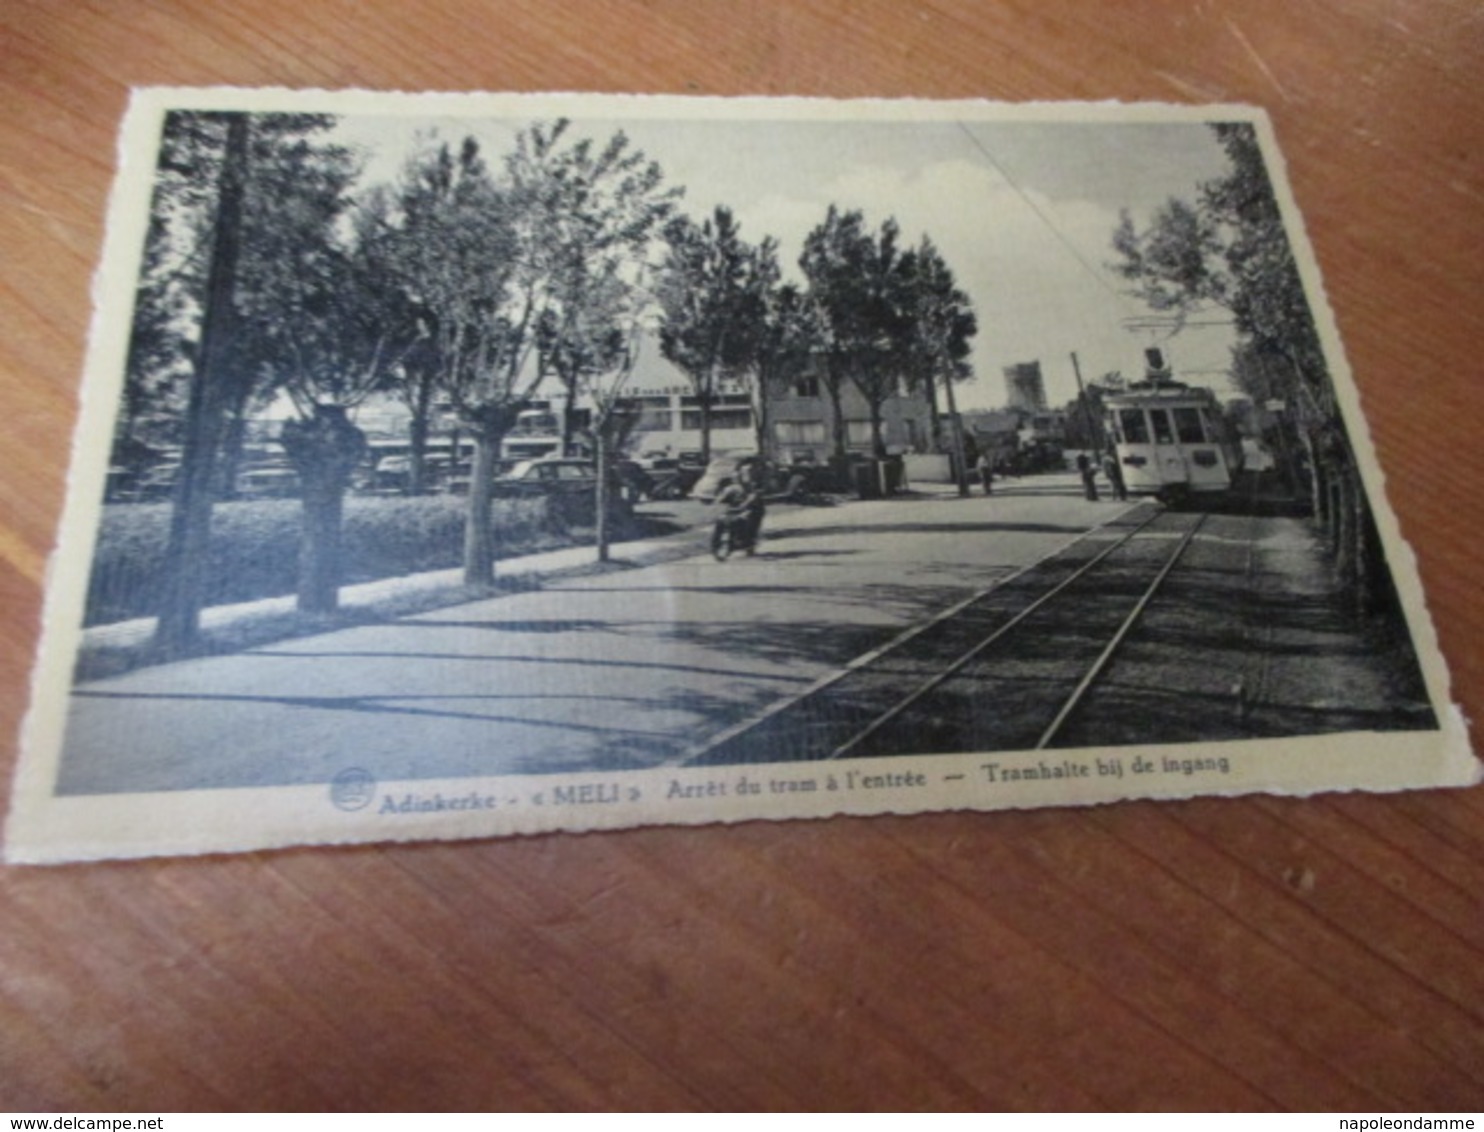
(1031, 255)
(1034, 267)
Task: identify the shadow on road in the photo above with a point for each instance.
(960, 528)
(522, 659)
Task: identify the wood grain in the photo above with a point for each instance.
(1254, 953)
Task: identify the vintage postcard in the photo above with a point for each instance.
(471, 465)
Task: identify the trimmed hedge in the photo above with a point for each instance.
(255, 546)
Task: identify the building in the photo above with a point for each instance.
(1025, 389)
(670, 412)
(802, 418)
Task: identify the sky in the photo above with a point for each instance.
(1023, 212)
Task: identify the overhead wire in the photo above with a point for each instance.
(1051, 225)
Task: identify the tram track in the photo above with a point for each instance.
(1006, 669)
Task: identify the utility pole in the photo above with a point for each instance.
(962, 473)
(1086, 406)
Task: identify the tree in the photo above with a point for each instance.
(452, 248)
(861, 285)
(831, 262)
(334, 338)
(1229, 248)
(187, 550)
(586, 216)
(942, 322)
(785, 334)
(602, 343)
(233, 193)
(708, 303)
(416, 381)
(320, 329)
(501, 272)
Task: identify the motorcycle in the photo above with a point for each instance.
(732, 533)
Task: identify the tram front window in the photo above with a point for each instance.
(1135, 431)
(1188, 426)
(1161, 422)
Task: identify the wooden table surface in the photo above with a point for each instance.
(1252, 953)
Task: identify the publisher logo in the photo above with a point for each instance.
(352, 789)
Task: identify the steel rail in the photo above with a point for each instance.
(1092, 674)
(870, 657)
(937, 680)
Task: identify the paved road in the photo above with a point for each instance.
(630, 668)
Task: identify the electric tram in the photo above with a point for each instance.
(1171, 439)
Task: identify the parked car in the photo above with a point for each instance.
(658, 475)
(393, 474)
(556, 478)
(158, 483)
(268, 483)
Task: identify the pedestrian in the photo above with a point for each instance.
(986, 473)
(1114, 471)
(1089, 472)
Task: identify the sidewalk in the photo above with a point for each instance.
(569, 561)
(531, 568)
(599, 669)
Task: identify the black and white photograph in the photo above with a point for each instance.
(457, 466)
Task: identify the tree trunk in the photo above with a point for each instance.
(878, 440)
(479, 531)
(489, 424)
(705, 400)
(324, 451)
(1316, 485)
(569, 413)
(935, 419)
(1372, 592)
(600, 520)
(417, 453)
(837, 421)
(183, 585)
(761, 421)
(229, 460)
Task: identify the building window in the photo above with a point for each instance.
(799, 432)
(806, 387)
(721, 418)
(653, 420)
(858, 432)
(728, 411)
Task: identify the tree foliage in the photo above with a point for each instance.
(784, 335)
(710, 294)
(942, 323)
(588, 214)
(862, 287)
(236, 195)
(1229, 248)
(292, 179)
(514, 277)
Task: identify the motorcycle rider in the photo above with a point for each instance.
(743, 500)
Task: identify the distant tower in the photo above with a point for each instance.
(1024, 387)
